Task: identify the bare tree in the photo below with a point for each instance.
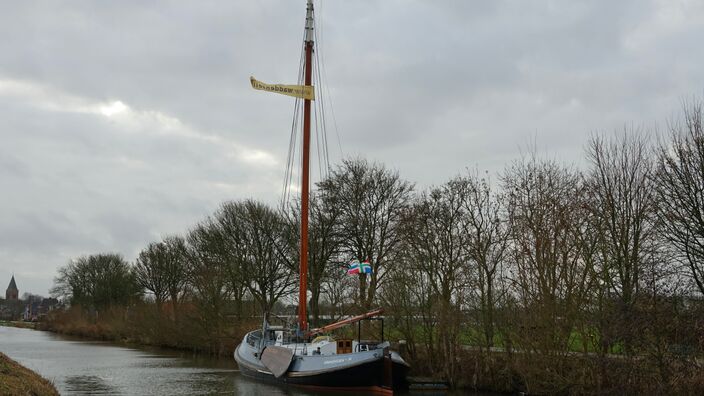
(487, 236)
(96, 281)
(177, 267)
(680, 189)
(548, 276)
(207, 274)
(371, 200)
(410, 300)
(229, 229)
(258, 241)
(161, 269)
(621, 201)
(622, 193)
(436, 242)
(150, 271)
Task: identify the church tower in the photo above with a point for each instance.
(12, 293)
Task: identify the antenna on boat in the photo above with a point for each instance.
(305, 174)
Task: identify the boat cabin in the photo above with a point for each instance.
(324, 345)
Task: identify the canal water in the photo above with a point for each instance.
(79, 367)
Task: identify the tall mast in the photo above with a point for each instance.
(308, 70)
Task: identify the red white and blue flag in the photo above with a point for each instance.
(356, 267)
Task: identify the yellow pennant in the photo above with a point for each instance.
(297, 91)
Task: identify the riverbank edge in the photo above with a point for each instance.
(15, 379)
(107, 336)
(132, 342)
(104, 337)
(19, 324)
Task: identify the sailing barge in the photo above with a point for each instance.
(279, 355)
(305, 357)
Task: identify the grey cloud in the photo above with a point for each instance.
(429, 88)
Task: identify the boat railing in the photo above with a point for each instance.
(300, 346)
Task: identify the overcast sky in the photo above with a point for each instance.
(124, 121)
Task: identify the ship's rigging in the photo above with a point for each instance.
(290, 355)
(320, 125)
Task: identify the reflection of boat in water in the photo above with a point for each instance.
(305, 357)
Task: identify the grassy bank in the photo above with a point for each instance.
(511, 370)
(16, 379)
(578, 374)
(18, 324)
(145, 325)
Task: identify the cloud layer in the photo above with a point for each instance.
(126, 121)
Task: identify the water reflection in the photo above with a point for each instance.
(89, 385)
(86, 367)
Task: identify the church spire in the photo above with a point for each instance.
(12, 292)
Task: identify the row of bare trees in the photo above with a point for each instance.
(549, 261)
(242, 260)
(558, 260)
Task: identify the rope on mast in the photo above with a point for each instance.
(291, 158)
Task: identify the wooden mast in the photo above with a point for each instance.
(305, 168)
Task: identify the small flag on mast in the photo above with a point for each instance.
(355, 267)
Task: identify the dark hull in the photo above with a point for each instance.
(363, 377)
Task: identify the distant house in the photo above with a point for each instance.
(12, 293)
(5, 311)
(35, 310)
